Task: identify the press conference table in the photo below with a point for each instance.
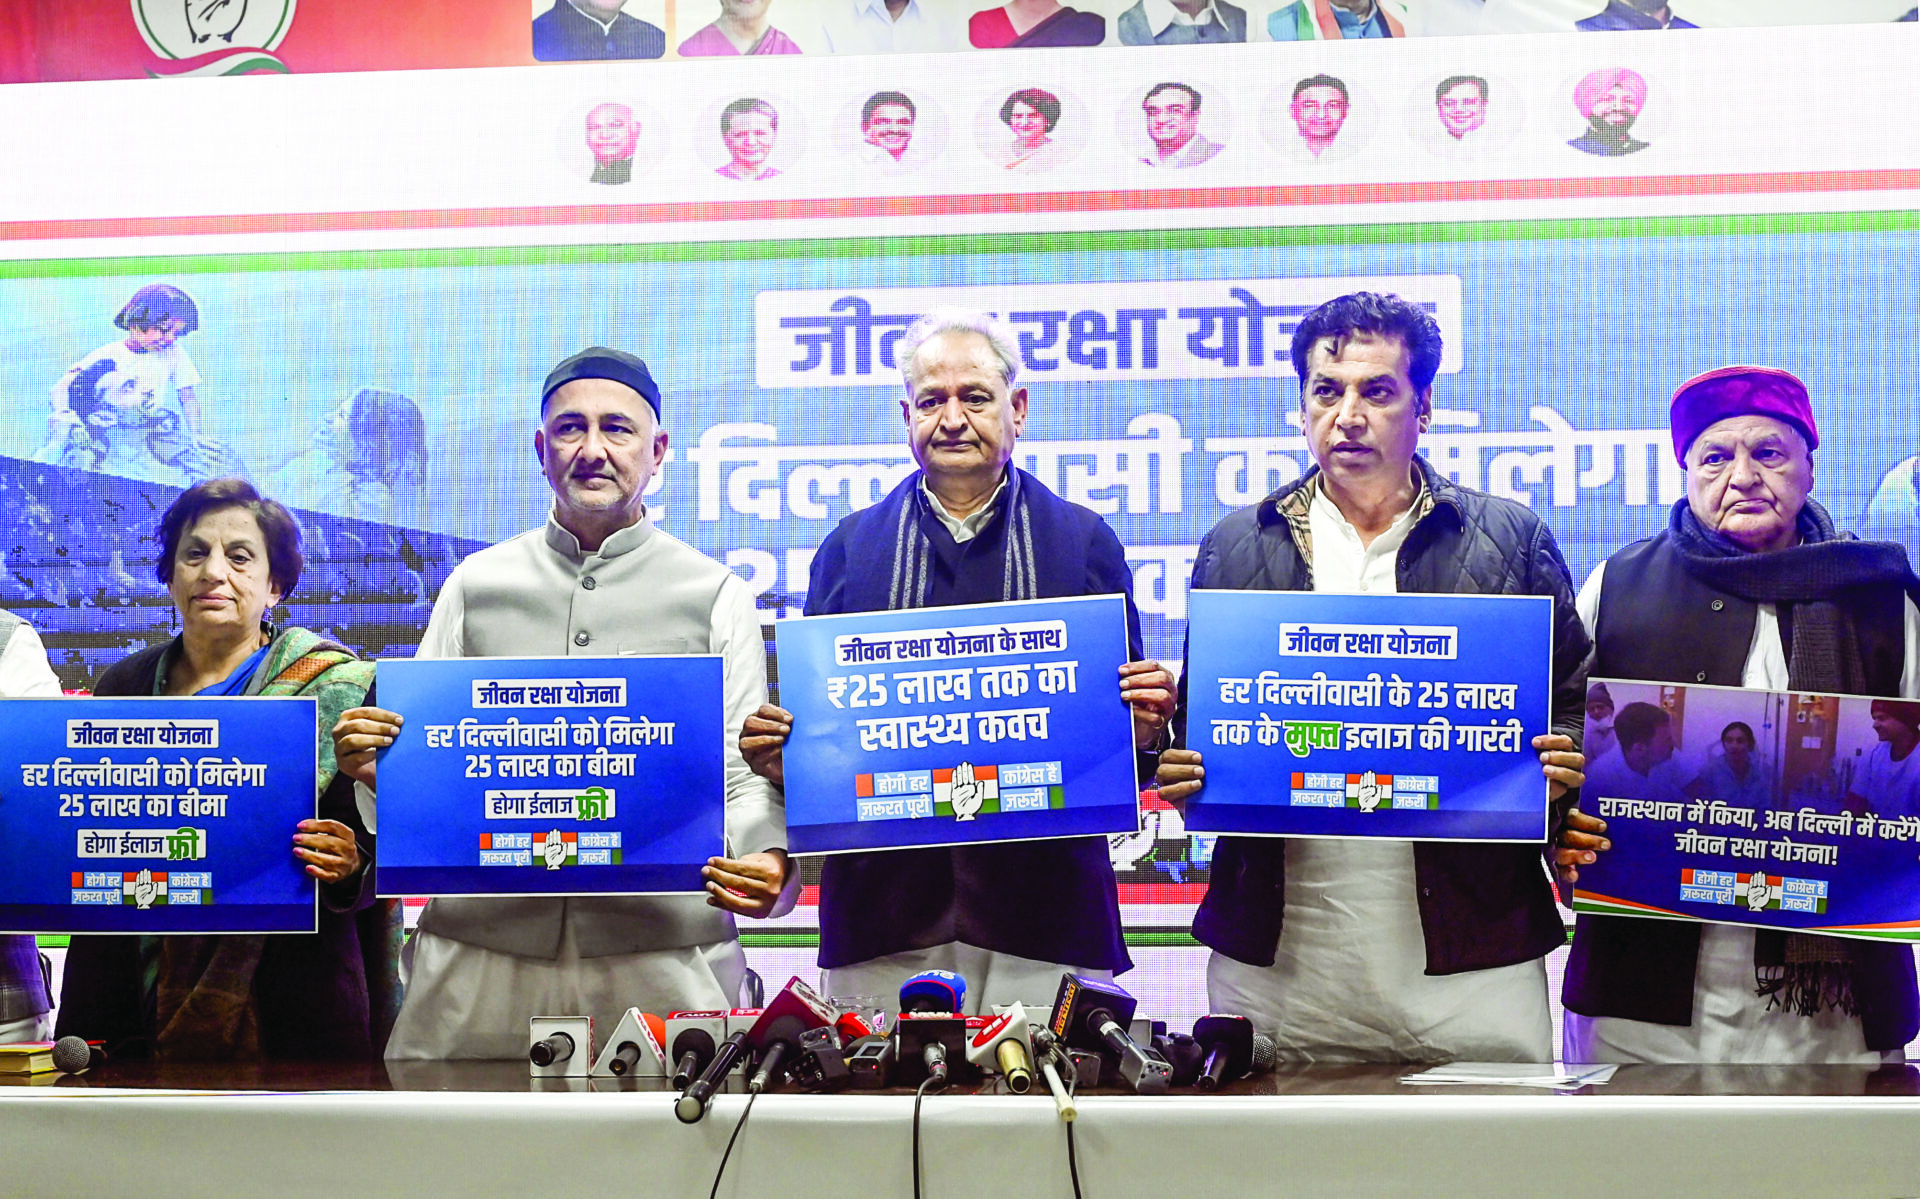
(486, 1129)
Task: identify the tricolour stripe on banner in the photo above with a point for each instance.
(873, 207)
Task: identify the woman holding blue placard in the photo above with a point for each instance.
(228, 556)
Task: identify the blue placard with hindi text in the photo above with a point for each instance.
(552, 776)
(945, 726)
(1774, 809)
(161, 815)
(1407, 716)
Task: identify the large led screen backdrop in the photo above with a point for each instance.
(383, 267)
(399, 396)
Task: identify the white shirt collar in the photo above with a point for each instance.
(963, 528)
(874, 156)
(1340, 562)
(878, 8)
(605, 26)
(1161, 13)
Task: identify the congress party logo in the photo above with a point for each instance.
(240, 34)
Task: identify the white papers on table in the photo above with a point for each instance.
(1509, 1074)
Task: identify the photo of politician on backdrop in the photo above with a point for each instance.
(1761, 751)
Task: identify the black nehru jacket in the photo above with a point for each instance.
(1659, 623)
(1054, 900)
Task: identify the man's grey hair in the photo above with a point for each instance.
(999, 335)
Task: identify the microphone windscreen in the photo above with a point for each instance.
(934, 991)
(1266, 1055)
(72, 1055)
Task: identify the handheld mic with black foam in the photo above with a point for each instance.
(72, 1055)
(775, 1036)
(1005, 1044)
(692, 1105)
(692, 1039)
(1228, 1041)
(1091, 1013)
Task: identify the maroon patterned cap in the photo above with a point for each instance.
(1740, 391)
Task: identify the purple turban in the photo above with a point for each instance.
(1589, 91)
(1740, 391)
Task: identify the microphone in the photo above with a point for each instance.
(852, 1026)
(931, 1030)
(72, 1055)
(870, 1061)
(775, 1036)
(692, 1105)
(636, 1048)
(821, 1065)
(1228, 1041)
(933, 991)
(550, 1050)
(1090, 1013)
(1046, 1051)
(691, 1041)
(1266, 1054)
(932, 1041)
(1183, 1053)
(1003, 1044)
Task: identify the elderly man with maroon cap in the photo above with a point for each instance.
(1749, 586)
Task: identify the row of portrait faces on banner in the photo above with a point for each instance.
(1177, 124)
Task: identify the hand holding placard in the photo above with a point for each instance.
(359, 736)
(762, 738)
(973, 723)
(547, 776)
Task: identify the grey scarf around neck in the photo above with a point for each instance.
(911, 580)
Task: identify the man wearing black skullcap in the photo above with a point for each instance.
(1750, 585)
(598, 580)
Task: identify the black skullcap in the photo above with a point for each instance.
(598, 362)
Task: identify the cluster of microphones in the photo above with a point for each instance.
(1090, 1038)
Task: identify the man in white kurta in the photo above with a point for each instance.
(1349, 980)
(1355, 974)
(598, 580)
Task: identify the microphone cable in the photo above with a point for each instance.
(745, 1112)
(918, 1094)
(1073, 1164)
